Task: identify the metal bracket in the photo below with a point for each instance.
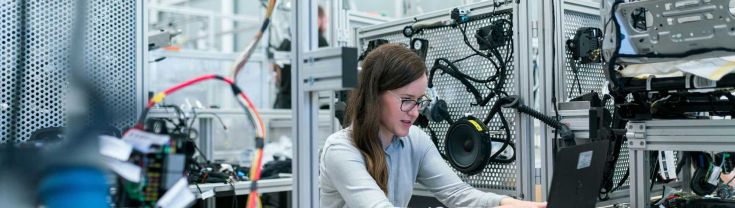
(330, 69)
(636, 134)
(673, 27)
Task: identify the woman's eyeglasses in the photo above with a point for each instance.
(408, 104)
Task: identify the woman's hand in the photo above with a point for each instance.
(515, 203)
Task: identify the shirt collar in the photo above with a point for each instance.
(396, 141)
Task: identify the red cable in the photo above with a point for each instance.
(257, 116)
(182, 85)
(249, 103)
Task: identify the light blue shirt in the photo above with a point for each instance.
(345, 182)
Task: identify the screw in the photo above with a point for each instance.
(642, 143)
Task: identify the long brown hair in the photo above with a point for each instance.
(388, 67)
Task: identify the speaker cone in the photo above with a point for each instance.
(468, 145)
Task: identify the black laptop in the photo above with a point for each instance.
(578, 175)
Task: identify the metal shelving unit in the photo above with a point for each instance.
(674, 135)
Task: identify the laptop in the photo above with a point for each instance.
(577, 175)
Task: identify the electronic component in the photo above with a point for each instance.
(585, 45)
(460, 15)
(154, 167)
(420, 46)
(373, 44)
(495, 35)
(153, 177)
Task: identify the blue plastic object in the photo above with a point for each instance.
(75, 187)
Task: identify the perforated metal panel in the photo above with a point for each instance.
(591, 76)
(10, 33)
(110, 53)
(448, 43)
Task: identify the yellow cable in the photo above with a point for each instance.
(249, 50)
(158, 97)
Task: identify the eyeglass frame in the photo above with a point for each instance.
(421, 103)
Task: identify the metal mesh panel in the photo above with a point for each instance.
(591, 77)
(448, 43)
(10, 33)
(110, 52)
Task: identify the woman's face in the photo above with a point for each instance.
(394, 120)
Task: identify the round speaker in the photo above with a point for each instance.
(468, 145)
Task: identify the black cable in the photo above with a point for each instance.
(465, 58)
(467, 42)
(496, 110)
(506, 143)
(553, 77)
(616, 82)
(190, 128)
(574, 65)
(677, 55)
(617, 186)
(499, 78)
(179, 114)
(452, 72)
(566, 133)
(460, 73)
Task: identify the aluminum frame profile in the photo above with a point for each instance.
(305, 163)
(676, 135)
(329, 69)
(560, 9)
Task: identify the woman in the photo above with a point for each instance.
(376, 161)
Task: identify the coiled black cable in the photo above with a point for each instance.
(564, 131)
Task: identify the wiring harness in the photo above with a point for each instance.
(251, 113)
(492, 40)
(240, 62)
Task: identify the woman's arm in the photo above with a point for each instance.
(513, 203)
(345, 168)
(446, 186)
(438, 177)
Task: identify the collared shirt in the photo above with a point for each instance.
(345, 182)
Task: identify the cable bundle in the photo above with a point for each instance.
(240, 63)
(252, 114)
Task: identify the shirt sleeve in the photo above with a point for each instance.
(440, 180)
(345, 168)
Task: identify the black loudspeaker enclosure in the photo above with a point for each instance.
(468, 145)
